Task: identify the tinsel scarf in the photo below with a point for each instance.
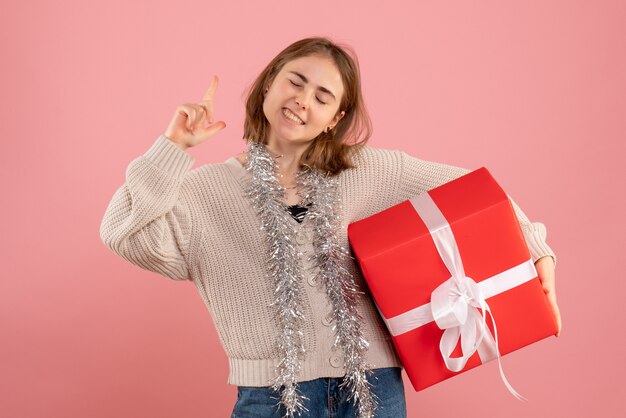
(319, 190)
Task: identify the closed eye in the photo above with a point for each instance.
(299, 85)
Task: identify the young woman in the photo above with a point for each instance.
(263, 235)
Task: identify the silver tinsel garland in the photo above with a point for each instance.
(320, 191)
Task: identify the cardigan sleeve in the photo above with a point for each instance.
(147, 221)
(419, 176)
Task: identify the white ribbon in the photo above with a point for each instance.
(459, 305)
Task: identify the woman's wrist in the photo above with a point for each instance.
(178, 144)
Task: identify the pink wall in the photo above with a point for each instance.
(535, 91)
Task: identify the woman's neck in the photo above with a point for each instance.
(287, 155)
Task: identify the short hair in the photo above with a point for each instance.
(330, 151)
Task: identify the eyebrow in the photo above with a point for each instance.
(324, 89)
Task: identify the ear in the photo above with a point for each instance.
(268, 84)
(337, 118)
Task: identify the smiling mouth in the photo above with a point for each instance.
(292, 117)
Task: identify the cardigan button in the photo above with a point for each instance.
(312, 280)
(328, 319)
(335, 361)
(301, 238)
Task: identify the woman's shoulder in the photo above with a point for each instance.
(370, 153)
(373, 164)
(213, 174)
(369, 149)
(373, 156)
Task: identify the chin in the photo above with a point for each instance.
(289, 137)
(294, 140)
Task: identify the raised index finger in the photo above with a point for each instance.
(211, 90)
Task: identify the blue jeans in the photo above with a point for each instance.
(325, 398)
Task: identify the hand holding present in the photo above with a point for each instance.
(546, 271)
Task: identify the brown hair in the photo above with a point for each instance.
(329, 152)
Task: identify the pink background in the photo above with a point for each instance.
(535, 91)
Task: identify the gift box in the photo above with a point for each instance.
(452, 277)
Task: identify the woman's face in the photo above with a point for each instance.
(308, 89)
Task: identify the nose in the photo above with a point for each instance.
(302, 100)
(300, 103)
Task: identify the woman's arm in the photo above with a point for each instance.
(147, 221)
(419, 176)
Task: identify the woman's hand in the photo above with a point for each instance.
(545, 269)
(189, 127)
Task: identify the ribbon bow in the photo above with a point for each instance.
(456, 302)
(454, 305)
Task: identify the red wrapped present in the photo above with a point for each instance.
(443, 267)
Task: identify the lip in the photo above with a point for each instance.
(294, 123)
